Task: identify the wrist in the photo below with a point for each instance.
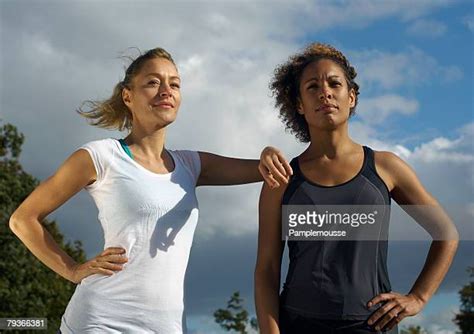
(419, 297)
(71, 273)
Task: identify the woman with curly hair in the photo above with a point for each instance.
(337, 285)
(147, 205)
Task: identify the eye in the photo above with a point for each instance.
(153, 82)
(336, 83)
(312, 86)
(175, 85)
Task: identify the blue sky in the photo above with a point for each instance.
(415, 68)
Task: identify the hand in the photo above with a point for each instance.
(274, 168)
(106, 263)
(396, 308)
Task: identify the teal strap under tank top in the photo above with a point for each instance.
(126, 148)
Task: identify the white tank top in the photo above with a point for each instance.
(153, 216)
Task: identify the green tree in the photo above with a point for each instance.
(235, 317)
(27, 287)
(413, 330)
(465, 318)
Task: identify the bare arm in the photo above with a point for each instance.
(268, 267)
(407, 190)
(219, 170)
(75, 173)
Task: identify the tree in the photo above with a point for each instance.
(27, 287)
(413, 330)
(465, 318)
(235, 317)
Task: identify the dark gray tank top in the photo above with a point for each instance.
(332, 279)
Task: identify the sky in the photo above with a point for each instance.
(414, 61)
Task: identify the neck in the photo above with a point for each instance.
(330, 143)
(147, 142)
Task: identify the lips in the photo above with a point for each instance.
(164, 105)
(326, 106)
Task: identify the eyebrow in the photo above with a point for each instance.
(159, 75)
(329, 77)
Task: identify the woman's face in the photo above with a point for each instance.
(154, 97)
(325, 99)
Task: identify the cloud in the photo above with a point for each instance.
(362, 13)
(60, 55)
(468, 21)
(375, 110)
(427, 28)
(381, 70)
(436, 322)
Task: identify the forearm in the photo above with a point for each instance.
(40, 242)
(219, 170)
(438, 261)
(267, 302)
(245, 171)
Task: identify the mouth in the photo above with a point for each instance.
(327, 107)
(164, 105)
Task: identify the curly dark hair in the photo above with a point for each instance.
(286, 81)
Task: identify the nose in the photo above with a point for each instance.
(325, 93)
(165, 90)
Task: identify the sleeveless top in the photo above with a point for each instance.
(335, 279)
(153, 216)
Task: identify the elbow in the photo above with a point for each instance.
(13, 223)
(16, 223)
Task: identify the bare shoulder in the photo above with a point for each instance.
(389, 167)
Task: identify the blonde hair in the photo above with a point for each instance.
(113, 113)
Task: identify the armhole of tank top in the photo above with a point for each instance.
(371, 163)
(294, 181)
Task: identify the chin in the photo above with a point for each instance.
(166, 118)
(327, 124)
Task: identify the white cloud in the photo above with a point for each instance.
(436, 322)
(380, 70)
(427, 28)
(375, 110)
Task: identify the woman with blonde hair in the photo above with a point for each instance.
(147, 206)
(337, 285)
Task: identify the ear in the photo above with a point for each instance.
(126, 96)
(299, 106)
(352, 98)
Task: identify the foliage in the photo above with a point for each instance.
(465, 318)
(27, 287)
(235, 317)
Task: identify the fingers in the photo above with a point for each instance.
(274, 171)
(102, 271)
(268, 177)
(274, 168)
(114, 259)
(109, 261)
(276, 160)
(392, 315)
(109, 266)
(286, 164)
(380, 298)
(395, 321)
(113, 250)
(381, 312)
